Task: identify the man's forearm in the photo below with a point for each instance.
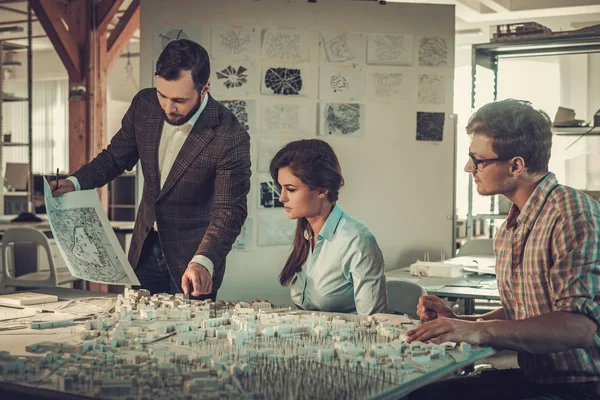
(549, 333)
(490, 316)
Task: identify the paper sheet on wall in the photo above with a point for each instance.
(86, 239)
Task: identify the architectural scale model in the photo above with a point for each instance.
(169, 347)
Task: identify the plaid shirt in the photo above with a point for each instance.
(548, 259)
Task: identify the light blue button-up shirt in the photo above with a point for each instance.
(345, 270)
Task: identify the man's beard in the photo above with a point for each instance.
(186, 117)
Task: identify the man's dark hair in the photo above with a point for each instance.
(516, 130)
(184, 55)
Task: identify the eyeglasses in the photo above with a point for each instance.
(477, 162)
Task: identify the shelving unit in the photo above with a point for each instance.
(487, 56)
(6, 46)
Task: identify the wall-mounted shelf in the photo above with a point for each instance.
(585, 130)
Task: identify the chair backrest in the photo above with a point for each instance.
(25, 235)
(403, 297)
(477, 247)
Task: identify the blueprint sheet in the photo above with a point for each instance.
(86, 239)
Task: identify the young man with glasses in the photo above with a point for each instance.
(547, 266)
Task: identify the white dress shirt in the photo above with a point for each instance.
(171, 142)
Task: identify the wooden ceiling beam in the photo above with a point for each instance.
(105, 11)
(49, 14)
(22, 21)
(13, 10)
(120, 37)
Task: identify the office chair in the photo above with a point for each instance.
(51, 278)
(477, 247)
(403, 297)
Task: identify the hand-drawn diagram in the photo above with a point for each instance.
(283, 81)
(343, 48)
(244, 240)
(341, 83)
(433, 52)
(86, 239)
(287, 116)
(269, 193)
(266, 151)
(164, 34)
(432, 89)
(389, 49)
(234, 42)
(286, 45)
(342, 119)
(430, 126)
(275, 230)
(387, 84)
(234, 79)
(244, 111)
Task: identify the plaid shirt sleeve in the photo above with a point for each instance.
(575, 275)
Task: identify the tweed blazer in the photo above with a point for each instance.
(202, 205)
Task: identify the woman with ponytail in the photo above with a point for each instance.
(335, 264)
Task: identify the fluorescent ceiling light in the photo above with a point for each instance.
(11, 29)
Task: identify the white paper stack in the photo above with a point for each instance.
(27, 298)
(436, 268)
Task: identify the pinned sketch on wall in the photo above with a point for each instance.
(343, 48)
(288, 116)
(387, 84)
(433, 52)
(269, 192)
(390, 49)
(164, 34)
(286, 45)
(432, 89)
(341, 83)
(430, 126)
(234, 42)
(244, 111)
(342, 119)
(276, 230)
(284, 80)
(244, 241)
(266, 151)
(234, 78)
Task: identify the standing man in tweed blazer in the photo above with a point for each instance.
(195, 158)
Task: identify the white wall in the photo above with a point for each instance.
(400, 188)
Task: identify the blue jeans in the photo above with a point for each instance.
(152, 269)
(153, 273)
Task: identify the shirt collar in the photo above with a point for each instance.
(330, 226)
(195, 117)
(532, 208)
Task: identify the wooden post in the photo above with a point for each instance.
(88, 54)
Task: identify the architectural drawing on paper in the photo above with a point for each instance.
(266, 151)
(85, 244)
(433, 52)
(281, 116)
(390, 49)
(243, 111)
(233, 77)
(285, 45)
(169, 347)
(275, 230)
(337, 49)
(234, 42)
(430, 126)
(387, 84)
(432, 89)
(342, 119)
(269, 194)
(171, 35)
(338, 83)
(283, 81)
(244, 240)
(86, 239)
